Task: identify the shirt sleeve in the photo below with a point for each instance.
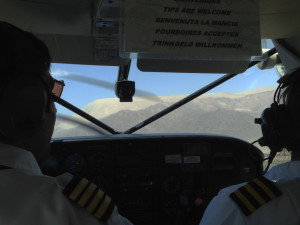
(117, 219)
(222, 211)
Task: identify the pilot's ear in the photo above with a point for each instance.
(23, 104)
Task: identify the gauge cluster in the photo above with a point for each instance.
(158, 179)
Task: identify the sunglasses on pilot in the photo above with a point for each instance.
(58, 87)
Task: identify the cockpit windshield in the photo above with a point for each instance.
(228, 109)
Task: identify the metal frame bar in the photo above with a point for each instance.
(160, 114)
(191, 97)
(84, 115)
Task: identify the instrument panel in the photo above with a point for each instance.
(158, 179)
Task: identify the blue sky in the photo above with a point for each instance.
(160, 84)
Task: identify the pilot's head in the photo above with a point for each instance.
(27, 112)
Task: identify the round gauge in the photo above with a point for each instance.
(171, 185)
(74, 163)
(99, 162)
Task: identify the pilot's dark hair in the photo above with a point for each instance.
(290, 96)
(21, 54)
(292, 90)
(15, 54)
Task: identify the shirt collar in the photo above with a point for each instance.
(18, 158)
(284, 172)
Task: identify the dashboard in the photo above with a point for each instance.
(158, 179)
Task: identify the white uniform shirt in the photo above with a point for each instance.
(29, 197)
(283, 210)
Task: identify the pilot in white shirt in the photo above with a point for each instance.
(29, 197)
(27, 119)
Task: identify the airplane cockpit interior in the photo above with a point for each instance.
(162, 99)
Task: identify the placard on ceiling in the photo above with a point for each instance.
(223, 30)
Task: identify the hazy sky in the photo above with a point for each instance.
(160, 84)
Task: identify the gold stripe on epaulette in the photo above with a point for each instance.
(92, 206)
(247, 204)
(255, 194)
(265, 188)
(90, 197)
(79, 188)
(102, 209)
(87, 194)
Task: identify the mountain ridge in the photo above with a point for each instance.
(108, 106)
(229, 114)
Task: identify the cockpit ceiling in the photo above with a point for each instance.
(279, 18)
(62, 23)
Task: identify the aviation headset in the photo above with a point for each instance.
(23, 102)
(277, 127)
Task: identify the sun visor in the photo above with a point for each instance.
(289, 53)
(209, 36)
(191, 66)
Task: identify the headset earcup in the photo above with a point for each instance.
(285, 125)
(276, 126)
(23, 104)
(267, 127)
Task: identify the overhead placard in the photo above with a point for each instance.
(196, 29)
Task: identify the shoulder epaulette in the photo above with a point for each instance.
(87, 195)
(255, 194)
